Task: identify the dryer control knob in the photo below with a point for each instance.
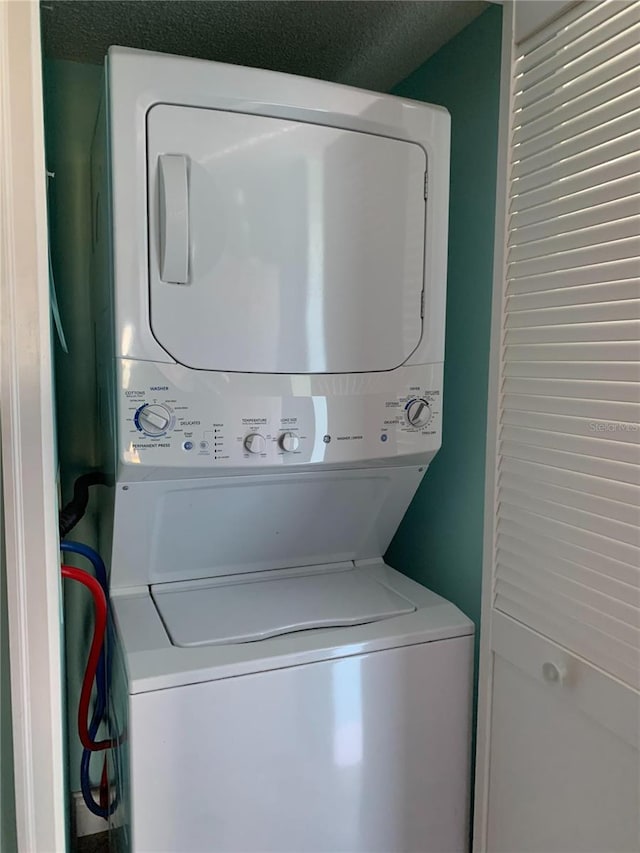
(418, 412)
(153, 419)
(289, 442)
(255, 443)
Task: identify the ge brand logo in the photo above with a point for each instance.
(327, 439)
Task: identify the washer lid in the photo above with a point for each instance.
(229, 610)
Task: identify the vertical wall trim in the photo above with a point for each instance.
(27, 428)
(485, 678)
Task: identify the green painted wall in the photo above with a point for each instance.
(71, 96)
(439, 542)
(8, 840)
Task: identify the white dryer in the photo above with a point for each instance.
(269, 265)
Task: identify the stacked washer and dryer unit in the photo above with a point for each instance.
(272, 390)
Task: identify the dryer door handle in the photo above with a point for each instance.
(173, 193)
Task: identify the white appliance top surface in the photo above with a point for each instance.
(153, 662)
(256, 607)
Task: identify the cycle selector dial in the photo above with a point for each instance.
(255, 443)
(418, 412)
(153, 419)
(289, 442)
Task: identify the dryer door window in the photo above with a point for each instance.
(278, 246)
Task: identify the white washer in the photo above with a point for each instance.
(352, 739)
(270, 312)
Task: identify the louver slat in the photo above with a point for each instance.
(607, 351)
(532, 542)
(557, 188)
(572, 494)
(576, 23)
(572, 579)
(584, 519)
(614, 371)
(611, 411)
(616, 69)
(596, 58)
(594, 145)
(557, 130)
(623, 330)
(607, 96)
(535, 476)
(577, 162)
(585, 201)
(585, 389)
(533, 556)
(598, 312)
(575, 221)
(606, 232)
(579, 56)
(613, 617)
(572, 425)
(595, 448)
(588, 295)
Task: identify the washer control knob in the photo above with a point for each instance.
(289, 442)
(255, 443)
(418, 412)
(153, 419)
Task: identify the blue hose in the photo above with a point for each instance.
(103, 677)
(94, 558)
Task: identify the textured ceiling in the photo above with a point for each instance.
(368, 43)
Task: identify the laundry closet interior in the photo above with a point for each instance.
(371, 579)
(446, 54)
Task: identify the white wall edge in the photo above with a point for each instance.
(485, 677)
(28, 436)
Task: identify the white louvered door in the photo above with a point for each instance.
(559, 728)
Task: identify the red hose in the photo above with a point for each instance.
(100, 625)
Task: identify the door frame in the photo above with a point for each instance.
(520, 19)
(28, 442)
(485, 671)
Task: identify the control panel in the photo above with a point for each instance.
(218, 421)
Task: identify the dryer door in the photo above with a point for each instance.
(278, 246)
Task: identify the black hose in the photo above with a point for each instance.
(71, 513)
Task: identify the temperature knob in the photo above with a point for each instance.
(153, 419)
(255, 443)
(418, 412)
(289, 442)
